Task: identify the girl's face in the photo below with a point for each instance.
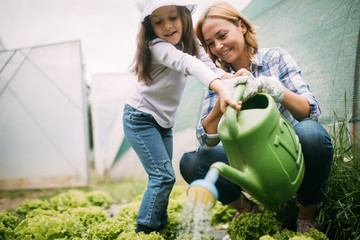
(166, 23)
(225, 40)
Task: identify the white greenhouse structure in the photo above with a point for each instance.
(44, 139)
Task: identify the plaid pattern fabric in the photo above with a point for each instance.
(267, 62)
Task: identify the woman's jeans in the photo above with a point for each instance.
(318, 154)
(153, 145)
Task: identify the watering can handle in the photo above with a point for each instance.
(231, 113)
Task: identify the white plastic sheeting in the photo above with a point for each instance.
(43, 118)
(2, 47)
(107, 98)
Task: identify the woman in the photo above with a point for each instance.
(230, 40)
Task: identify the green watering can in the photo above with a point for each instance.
(263, 151)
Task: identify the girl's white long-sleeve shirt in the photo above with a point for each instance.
(169, 69)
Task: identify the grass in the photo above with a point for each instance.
(339, 215)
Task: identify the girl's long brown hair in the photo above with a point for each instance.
(224, 10)
(142, 60)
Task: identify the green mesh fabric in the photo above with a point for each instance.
(190, 106)
(323, 37)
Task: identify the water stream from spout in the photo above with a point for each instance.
(195, 223)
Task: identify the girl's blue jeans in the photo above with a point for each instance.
(154, 146)
(318, 154)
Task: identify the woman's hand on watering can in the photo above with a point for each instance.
(246, 78)
(240, 77)
(272, 86)
(231, 83)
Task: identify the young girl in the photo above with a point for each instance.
(167, 52)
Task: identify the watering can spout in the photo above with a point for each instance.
(203, 191)
(242, 178)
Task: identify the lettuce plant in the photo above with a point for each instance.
(249, 226)
(7, 224)
(98, 198)
(48, 227)
(69, 199)
(29, 205)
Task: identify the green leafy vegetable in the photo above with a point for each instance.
(7, 224)
(98, 198)
(89, 216)
(141, 236)
(69, 199)
(109, 230)
(251, 226)
(29, 205)
(221, 214)
(47, 227)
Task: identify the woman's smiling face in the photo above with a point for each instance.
(224, 39)
(167, 24)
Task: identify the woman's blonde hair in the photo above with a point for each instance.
(142, 60)
(224, 10)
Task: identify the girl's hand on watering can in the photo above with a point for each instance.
(225, 95)
(225, 98)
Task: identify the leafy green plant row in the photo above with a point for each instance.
(82, 215)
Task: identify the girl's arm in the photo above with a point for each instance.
(166, 54)
(225, 95)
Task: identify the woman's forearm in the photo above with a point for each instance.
(297, 105)
(211, 122)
